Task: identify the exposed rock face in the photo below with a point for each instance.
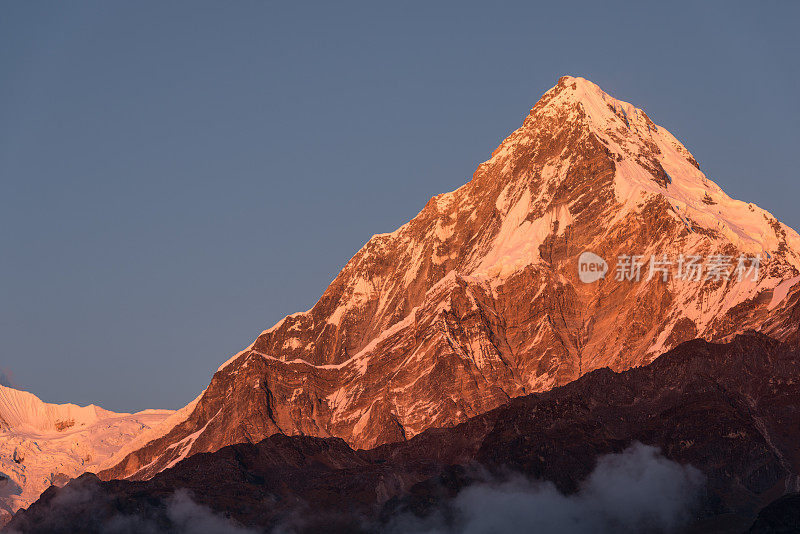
(477, 299)
(730, 410)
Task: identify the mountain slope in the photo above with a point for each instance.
(730, 410)
(478, 298)
(43, 444)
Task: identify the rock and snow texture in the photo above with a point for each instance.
(477, 299)
(43, 444)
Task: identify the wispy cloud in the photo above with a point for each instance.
(6, 377)
(637, 490)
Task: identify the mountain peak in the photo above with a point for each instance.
(576, 119)
(601, 110)
(478, 298)
(576, 83)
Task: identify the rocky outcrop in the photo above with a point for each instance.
(478, 299)
(730, 410)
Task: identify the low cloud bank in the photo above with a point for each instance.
(183, 516)
(637, 490)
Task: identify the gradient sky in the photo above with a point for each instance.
(178, 176)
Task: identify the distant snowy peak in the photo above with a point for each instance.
(42, 444)
(20, 410)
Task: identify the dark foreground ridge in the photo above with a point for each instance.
(732, 411)
(782, 516)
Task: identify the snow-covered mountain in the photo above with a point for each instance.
(478, 298)
(43, 444)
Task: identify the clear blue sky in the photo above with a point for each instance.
(177, 176)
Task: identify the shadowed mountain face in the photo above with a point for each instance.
(478, 299)
(731, 411)
(780, 517)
